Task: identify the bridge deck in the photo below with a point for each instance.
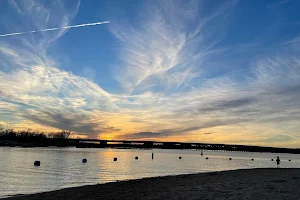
(177, 145)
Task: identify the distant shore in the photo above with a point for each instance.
(237, 184)
(11, 138)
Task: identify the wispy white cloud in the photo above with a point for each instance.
(167, 48)
(293, 41)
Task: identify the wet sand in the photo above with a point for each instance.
(262, 184)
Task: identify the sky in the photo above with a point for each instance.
(190, 71)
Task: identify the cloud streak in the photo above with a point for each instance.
(58, 28)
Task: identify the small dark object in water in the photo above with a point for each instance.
(37, 163)
(84, 160)
(290, 160)
(252, 159)
(206, 158)
(179, 157)
(115, 159)
(136, 158)
(230, 158)
(272, 159)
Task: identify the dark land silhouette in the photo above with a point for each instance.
(62, 139)
(13, 138)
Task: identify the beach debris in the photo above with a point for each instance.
(115, 159)
(252, 159)
(206, 158)
(290, 160)
(179, 157)
(84, 160)
(230, 158)
(136, 158)
(37, 163)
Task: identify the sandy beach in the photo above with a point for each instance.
(238, 184)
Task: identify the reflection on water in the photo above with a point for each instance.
(63, 167)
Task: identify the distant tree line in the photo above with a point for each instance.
(44, 139)
(12, 134)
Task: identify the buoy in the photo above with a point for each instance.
(206, 158)
(136, 158)
(252, 159)
(84, 160)
(179, 157)
(272, 159)
(115, 159)
(37, 163)
(230, 158)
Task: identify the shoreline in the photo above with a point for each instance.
(258, 183)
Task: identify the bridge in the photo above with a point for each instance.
(97, 143)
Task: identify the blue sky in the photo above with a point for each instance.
(204, 71)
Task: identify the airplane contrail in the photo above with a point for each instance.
(53, 29)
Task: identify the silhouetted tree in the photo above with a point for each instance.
(1, 128)
(65, 134)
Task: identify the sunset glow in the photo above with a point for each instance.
(202, 71)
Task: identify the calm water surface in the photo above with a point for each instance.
(63, 167)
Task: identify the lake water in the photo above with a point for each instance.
(63, 167)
